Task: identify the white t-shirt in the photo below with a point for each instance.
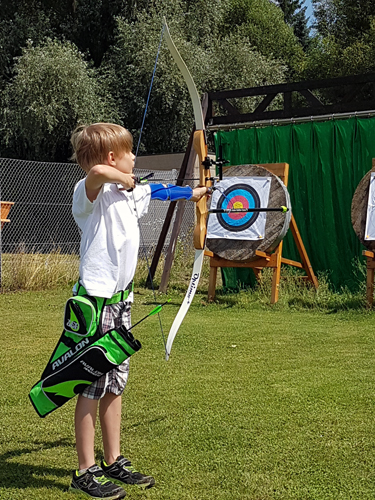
(110, 236)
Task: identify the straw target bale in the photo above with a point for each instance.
(276, 226)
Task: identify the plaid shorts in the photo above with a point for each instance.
(114, 316)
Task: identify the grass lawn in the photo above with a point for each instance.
(255, 403)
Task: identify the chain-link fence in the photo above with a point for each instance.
(41, 221)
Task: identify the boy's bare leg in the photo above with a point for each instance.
(85, 418)
(110, 421)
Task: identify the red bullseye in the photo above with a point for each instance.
(238, 201)
(238, 196)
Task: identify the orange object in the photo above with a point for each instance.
(5, 208)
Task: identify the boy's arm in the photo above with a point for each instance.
(173, 193)
(101, 174)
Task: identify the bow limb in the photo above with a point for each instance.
(200, 147)
(195, 99)
(198, 262)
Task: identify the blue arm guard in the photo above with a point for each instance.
(171, 192)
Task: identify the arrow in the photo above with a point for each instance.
(238, 210)
(156, 310)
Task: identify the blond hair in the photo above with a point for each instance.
(92, 143)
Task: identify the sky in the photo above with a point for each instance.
(309, 12)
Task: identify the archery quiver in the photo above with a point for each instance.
(82, 355)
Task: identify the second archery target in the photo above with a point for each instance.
(362, 211)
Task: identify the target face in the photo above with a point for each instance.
(239, 193)
(238, 196)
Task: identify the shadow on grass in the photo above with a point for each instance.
(14, 474)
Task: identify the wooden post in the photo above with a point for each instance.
(370, 257)
(302, 251)
(170, 212)
(213, 277)
(175, 230)
(276, 275)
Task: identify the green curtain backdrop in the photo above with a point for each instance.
(327, 161)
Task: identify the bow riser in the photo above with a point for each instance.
(200, 230)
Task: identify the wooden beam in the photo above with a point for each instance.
(294, 112)
(302, 251)
(292, 263)
(287, 103)
(311, 98)
(265, 103)
(368, 253)
(292, 87)
(228, 107)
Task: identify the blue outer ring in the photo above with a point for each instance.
(249, 218)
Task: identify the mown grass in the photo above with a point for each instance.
(256, 402)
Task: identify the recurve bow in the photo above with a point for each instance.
(200, 147)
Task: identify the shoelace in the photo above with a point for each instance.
(125, 464)
(131, 468)
(102, 480)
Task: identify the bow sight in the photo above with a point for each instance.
(219, 163)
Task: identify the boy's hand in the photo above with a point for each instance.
(198, 193)
(128, 182)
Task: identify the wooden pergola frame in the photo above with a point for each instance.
(346, 102)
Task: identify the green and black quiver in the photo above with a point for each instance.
(82, 355)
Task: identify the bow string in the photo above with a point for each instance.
(158, 308)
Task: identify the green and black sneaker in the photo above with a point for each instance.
(123, 471)
(94, 484)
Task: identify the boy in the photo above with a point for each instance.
(107, 214)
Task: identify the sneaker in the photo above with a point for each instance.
(94, 484)
(123, 471)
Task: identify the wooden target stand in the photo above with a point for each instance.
(370, 257)
(264, 259)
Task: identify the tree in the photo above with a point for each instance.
(345, 40)
(52, 90)
(20, 21)
(89, 24)
(295, 17)
(262, 23)
(216, 62)
(107, 49)
(346, 20)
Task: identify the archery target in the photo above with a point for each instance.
(235, 193)
(238, 196)
(235, 245)
(370, 220)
